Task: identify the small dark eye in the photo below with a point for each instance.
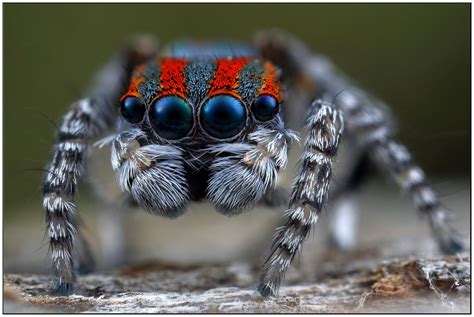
(265, 107)
(223, 116)
(132, 109)
(171, 117)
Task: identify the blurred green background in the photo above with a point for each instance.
(416, 57)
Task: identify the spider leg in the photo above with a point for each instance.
(369, 121)
(373, 129)
(86, 119)
(309, 195)
(59, 189)
(393, 158)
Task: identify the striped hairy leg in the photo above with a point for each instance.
(86, 119)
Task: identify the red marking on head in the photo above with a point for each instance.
(172, 80)
(271, 85)
(135, 81)
(226, 76)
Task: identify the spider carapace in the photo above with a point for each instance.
(197, 121)
(209, 100)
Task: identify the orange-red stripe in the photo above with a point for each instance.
(226, 76)
(135, 81)
(172, 79)
(271, 84)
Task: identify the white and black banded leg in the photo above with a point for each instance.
(309, 195)
(393, 158)
(373, 130)
(85, 120)
(59, 188)
(367, 120)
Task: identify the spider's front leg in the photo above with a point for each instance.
(86, 119)
(59, 188)
(310, 190)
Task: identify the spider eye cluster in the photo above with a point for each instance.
(132, 109)
(222, 116)
(265, 107)
(171, 117)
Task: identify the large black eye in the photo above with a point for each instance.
(265, 107)
(223, 116)
(171, 117)
(132, 109)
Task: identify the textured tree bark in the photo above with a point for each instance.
(422, 285)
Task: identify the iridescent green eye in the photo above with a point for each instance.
(223, 116)
(265, 107)
(171, 117)
(132, 109)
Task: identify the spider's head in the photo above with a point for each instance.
(207, 100)
(214, 112)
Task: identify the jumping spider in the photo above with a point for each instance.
(202, 120)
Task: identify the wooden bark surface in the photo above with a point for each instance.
(439, 284)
